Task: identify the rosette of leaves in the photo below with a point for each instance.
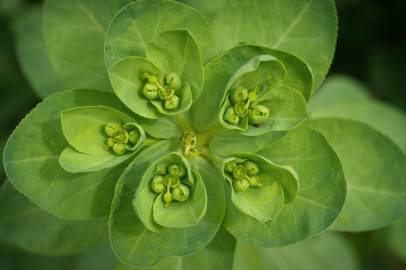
(148, 134)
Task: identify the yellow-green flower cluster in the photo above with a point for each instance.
(244, 174)
(121, 138)
(154, 90)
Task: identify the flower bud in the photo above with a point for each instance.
(254, 181)
(171, 180)
(172, 103)
(150, 91)
(122, 136)
(174, 81)
(166, 93)
(134, 136)
(241, 185)
(239, 172)
(111, 129)
(251, 167)
(108, 144)
(258, 114)
(152, 79)
(231, 117)
(119, 149)
(167, 198)
(230, 166)
(241, 109)
(253, 95)
(157, 184)
(181, 193)
(239, 94)
(177, 170)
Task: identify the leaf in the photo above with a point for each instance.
(46, 234)
(346, 98)
(31, 160)
(218, 255)
(305, 28)
(32, 55)
(321, 194)
(73, 161)
(162, 128)
(374, 170)
(76, 48)
(83, 127)
(219, 73)
(185, 214)
(396, 237)
(319, 253)
(136, 245)
(177, 51)
(128, 81)
(136, 25)
(280, 186)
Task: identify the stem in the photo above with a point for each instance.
(183, 120)
(150, 141)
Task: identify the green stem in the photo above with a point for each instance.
(183, 120)
(150, 141)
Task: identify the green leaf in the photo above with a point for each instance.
(305, 28)
(177, 51)
(76, 48)
(31, 160)
(219, 74)
(162, 128)
(83, 127)
(134, 244)
(139, 23)
(321, 194)
(345, 98)
(320, 253)
(32, 55)
(45, 234)
(280, 186)
(396, 237)
(374, 171)
(73, 161)
(128, 81)
(218, 255)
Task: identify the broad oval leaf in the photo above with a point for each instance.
(162, 128)
(374, 170)
(31, 160)
(83, 127)
(46, 234)
(127, 78)
(320, 198)
(220, 71)
(305, 28)
(33, 56)
(76, 48)
(184, 214)
(136, 25)
(134, 244)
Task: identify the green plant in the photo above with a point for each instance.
(188, 125)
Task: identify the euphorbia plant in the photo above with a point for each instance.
(196, 126)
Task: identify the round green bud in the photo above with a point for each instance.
(108, 144)
(119, 149)
(230, 166)
(239, 172)
(251, 167)
(239, 94)
(181, 193)
(111, 129)
(258, 114)
(171, 180)
(167, 198)
(253, 95)
(150, 91)
(157, 184)
(166, 93)
(134, 136)
(122, 136)
(240, 185)
(241, 109)
(152, 79)
(172, 103)
(254, 182)
(174, 81)
(177, 170)
(231, 117)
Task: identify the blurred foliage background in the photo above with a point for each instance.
(371, 48)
